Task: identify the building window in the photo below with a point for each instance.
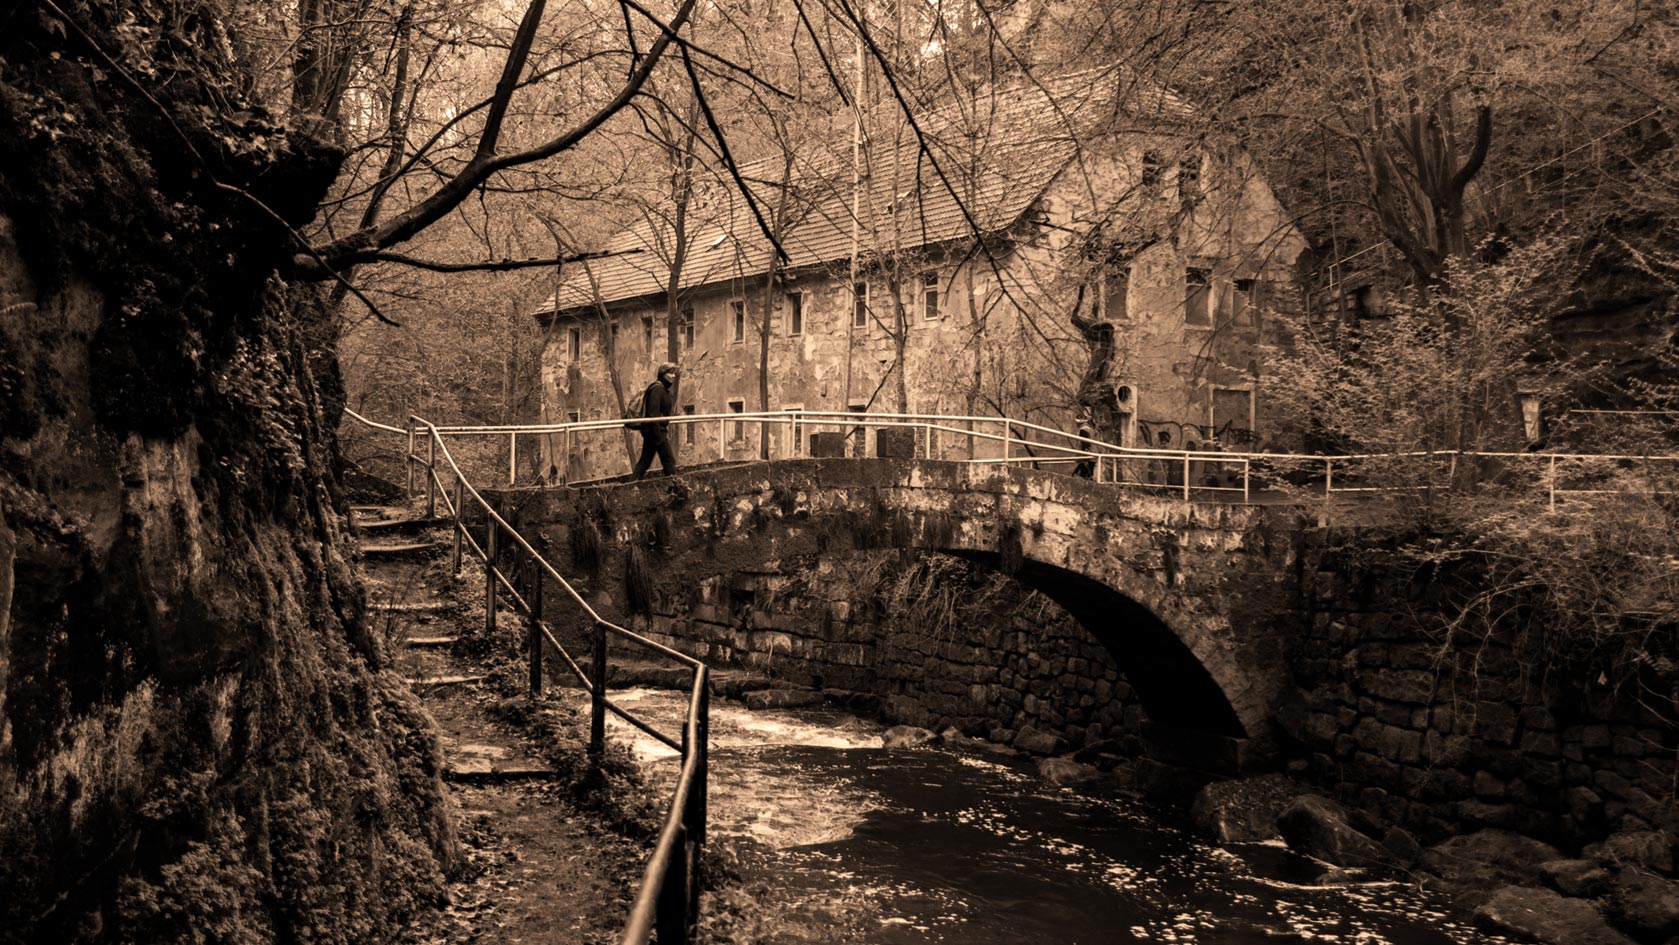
(647, 334)
(1151, 171)
(687, 335)
(930, 295)
(573, 343)
(612, 338)
(1197, 285)
(737, 318)
(1241, 302)
(859, 305)
(574, 416)
(1189, 178)
(1116, 289)
(688, 428)
(795, 313)
(738, 406)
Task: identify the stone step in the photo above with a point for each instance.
(398, 550)
(428, 641)
(415, 607)
(406, 524)
(482, 772)
(433, 681)
(481, 763)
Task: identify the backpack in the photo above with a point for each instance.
(636, 404)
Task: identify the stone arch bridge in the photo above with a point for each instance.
(1190, 598)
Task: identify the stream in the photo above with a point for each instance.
(846, 841)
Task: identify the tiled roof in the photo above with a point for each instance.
(986, 161)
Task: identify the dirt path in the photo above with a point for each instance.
(538, 867)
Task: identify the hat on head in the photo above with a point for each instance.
(669, 367)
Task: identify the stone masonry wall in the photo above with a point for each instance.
(1007, 664)
(1447, 733)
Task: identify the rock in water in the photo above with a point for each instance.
(1645, 904)
(1317, 827)
(1244, 809)
(1034, 742)
(1545, 916)
(1063, 771)
(1489, 858)
(781, 698)
(1579, 878)
(907, 736)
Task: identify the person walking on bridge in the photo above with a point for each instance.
(655, 436)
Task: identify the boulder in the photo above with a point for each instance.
(1645, 904)
(907, 736)
(1545, 916)
(1243, 809)
(1579, 878)
(781, 698)
(1064, 770)
(1034, 742)
(1317, 827)
(1489, 858)
(1649, 849)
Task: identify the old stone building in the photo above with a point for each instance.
(967, 263)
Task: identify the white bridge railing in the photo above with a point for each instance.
(1211, 473)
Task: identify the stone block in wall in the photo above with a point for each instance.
(828, 445)
(1411, 686)
(845, 654)
(894, 443)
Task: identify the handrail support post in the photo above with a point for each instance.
(460, 524)
(490, 576)
(535, 606)
(431, 476)
(597, 694)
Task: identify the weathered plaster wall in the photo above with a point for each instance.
(1002, 340)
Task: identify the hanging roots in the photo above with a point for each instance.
(638, 581)
(587, 544)
(661, 528)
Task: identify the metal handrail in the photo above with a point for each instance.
(1107, 461)
(668, 898)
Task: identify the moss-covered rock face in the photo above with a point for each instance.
(197, 740)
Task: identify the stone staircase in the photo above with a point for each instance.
(410, 597)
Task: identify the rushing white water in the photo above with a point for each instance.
(852, 842)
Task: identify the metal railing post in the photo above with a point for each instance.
(431, 476)
(408, 462)
(793, 435)
(565, 465)
(490, 576)
(1186, 477)
(460, 524)
(670, 919)
(512, 458)
(597, 695)
(535, 606)
(1328, 487)
(1247, 466)
(722, 440)
(1008, 434)
(1553, 482)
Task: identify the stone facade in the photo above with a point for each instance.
(1446, 733)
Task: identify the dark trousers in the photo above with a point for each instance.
(655, 442)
